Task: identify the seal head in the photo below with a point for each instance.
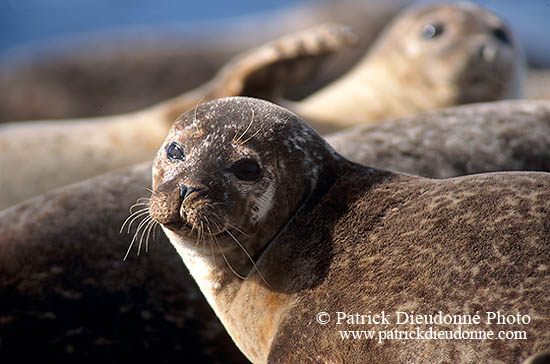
(430, 57)
(220, 170)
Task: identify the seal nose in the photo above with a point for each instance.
(488, 52)
(186, 191)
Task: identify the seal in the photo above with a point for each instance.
(59, 148)
(67, 292)
(511, 135)
(537, 81)
(430, 57)
(276, 227)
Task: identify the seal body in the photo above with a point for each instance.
(430, 57)
(511, 135)
(276, 227)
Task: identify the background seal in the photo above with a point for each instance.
(429, 57)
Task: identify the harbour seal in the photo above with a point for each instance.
(277, 228)
(68, 295)
(512, 135)
(60, 147)
(537, 84)
(430, 57)
(109, 74)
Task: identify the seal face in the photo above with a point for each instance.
(461, 47)
(221, 172)
(212, 177)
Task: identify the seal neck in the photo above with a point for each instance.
(228, 294)
(373, 90)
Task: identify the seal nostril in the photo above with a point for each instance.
(183, 191)
(189, 191)
(186, 191)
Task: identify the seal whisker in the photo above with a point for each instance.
(143, 199)
(196, 106)
(144, 225)
(134, 238)
(139, 204)
(133, 216)
(249, 257)
(207, 222)
(253, 135)
(198, 233)
(236, 141)
(129, 248)
(213, 237)
(155, 230)
(153, 225)
(136, 216)
(147, 231)
(237, 229)
(141, 225)
(227, 262)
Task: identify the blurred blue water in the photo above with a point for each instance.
(31, 23)
(28, 22)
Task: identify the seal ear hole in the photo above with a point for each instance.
(175, 152)
(246, 169)
(501, 35)
(432, 30)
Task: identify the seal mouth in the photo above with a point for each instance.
(199, 225)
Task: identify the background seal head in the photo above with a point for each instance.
(429, 57)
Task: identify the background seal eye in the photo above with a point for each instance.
(175, 152)
(247, 169)
(502, 35)
(432, 30)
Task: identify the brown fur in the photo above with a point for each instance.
(478, 243)
(358, 240)
(511, 135)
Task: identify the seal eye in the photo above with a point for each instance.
(432, 30)
(246, 169)
(174, 152)
(501, 35)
